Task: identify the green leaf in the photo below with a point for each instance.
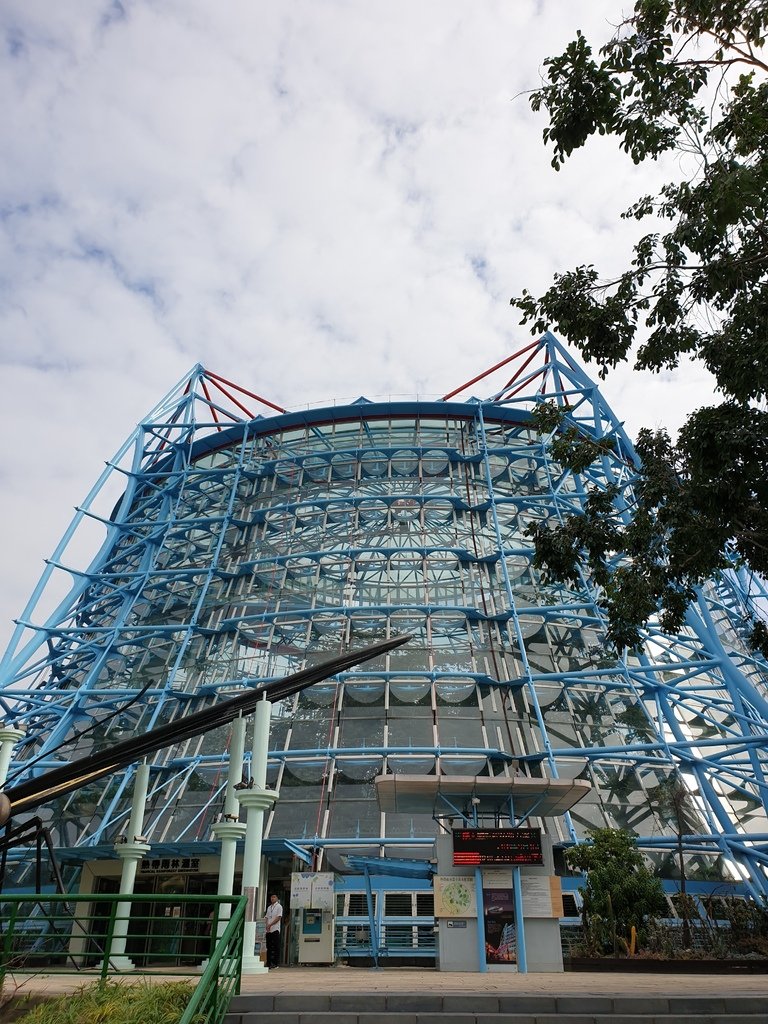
(699, 289)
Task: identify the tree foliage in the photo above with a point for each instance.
(688, 76)
(619, 887)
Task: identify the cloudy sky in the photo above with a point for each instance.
(315, 198)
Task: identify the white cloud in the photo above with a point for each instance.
(317, 200)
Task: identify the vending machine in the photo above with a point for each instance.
(313, 898)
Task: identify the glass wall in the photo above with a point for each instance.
(284, 545)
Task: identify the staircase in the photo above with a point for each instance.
(455, 1008)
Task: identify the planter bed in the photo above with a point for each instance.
(632, 965)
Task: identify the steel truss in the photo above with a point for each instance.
(233, 542)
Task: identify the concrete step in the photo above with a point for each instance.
(473, 1008)
(386, 1017)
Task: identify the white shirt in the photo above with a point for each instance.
(273, 916)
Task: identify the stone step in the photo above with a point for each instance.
(394, 1017)
(474, 1008)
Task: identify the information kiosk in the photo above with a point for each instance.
(313, 900)
(497, 899)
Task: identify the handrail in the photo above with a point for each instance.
(221, 978)
(64, 919)
(77, 932)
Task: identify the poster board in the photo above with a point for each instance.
(260, 937)
(312, 890)
(455, 896)
(542, 896)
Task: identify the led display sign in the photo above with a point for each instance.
(473, 846)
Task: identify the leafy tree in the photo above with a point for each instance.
(687, 76)
(619, 888)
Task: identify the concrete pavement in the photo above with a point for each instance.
(416, 979)
(326, 980)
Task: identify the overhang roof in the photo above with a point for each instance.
(437, 794)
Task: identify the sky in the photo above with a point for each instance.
(317, 199)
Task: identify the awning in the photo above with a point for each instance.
(439, 795)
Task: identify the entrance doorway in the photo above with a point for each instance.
(166, 933)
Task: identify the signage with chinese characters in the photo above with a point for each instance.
(498, 878)
(455, 896)
(542, 896)
(312, 890)
(473, 846)
(323, 892)
(158, 865)
(301, 889)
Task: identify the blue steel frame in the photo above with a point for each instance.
(120, 645)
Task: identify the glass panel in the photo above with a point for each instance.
(410, 731)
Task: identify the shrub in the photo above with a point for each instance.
(619, 893)
(115, 1003)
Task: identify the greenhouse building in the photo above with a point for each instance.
(230, 542)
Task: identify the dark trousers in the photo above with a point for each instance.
(273, 949)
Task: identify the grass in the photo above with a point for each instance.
(115, 1003)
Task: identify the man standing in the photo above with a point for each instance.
(273, 917)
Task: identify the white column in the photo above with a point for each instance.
(130, 852)
(256, 800)
(230, 829)
(9, 737)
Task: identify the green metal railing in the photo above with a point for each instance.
(101, 935)
(170, 934)
(221, 978)
(54, 933)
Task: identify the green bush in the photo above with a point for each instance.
(115, 1003)
(619, 892)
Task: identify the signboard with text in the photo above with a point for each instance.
(312, 890)
(542, 896)
(455, 896)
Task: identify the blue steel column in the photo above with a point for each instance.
(517, 888)
(482, 966)
(373, 923)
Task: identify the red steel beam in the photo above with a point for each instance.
(244, 391)
(498, 366)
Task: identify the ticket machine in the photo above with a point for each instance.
(315, 936)
(312, 896)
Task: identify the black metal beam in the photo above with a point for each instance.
(59, 781)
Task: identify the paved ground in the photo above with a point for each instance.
(354, 979)
(415, 979)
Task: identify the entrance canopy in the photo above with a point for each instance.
(475, 795)
(398, 866)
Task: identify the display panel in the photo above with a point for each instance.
(497, 846)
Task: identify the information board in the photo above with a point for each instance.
(542, 896)
(497, 846)
(312, 890)
(323, 896)
(301, 889)
(455, 896)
